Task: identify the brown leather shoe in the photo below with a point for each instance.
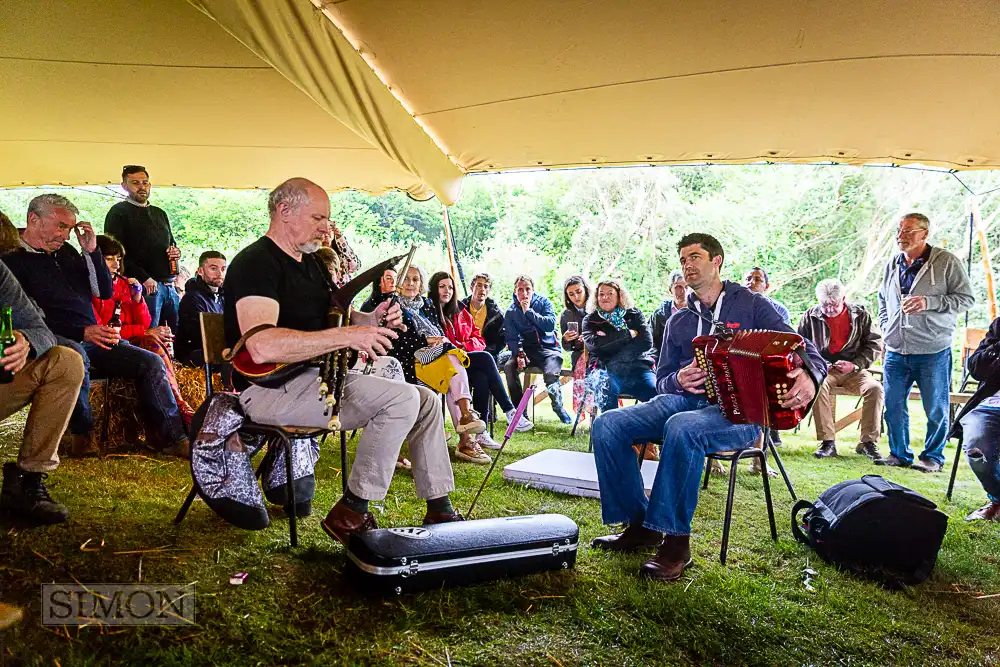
(342, 521)
(988, 512)
(632, 538)
(442, 517)
(671, 559)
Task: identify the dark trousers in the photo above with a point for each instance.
(550, 361)
(146, 368)
(81, 422)
(485, 380)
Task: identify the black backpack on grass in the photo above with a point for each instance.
(873, 528)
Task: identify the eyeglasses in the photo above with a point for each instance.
(907, 232)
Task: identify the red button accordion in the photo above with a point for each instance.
(748, 375)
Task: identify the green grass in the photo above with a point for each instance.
(296, 608)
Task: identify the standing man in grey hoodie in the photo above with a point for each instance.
(922, 293)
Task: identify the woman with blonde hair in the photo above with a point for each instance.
(618, 338)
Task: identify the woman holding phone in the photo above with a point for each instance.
(576, 293)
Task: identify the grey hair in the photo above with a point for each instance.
(923, 222)
(675, 276)
(830, 289)
(423, 277)
(293, 193)
(42, 204)
(524, 278)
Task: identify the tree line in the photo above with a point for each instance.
(802, 223)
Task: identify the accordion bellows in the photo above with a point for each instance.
(748, 375)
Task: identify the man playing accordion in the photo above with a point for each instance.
(276, 281)
(689, 426)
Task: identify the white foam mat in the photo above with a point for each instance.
(564, 471)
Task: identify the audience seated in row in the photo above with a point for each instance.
(62, 282)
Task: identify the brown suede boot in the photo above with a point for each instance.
(632, 538)
(671, 559)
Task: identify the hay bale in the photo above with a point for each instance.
(118, 424)
(191, 380)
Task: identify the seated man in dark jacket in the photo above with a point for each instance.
(978, 425)
(202, 294)
(849, 343)
(61, 282)
(486, 314)
(688, 424)
(616, 334)
(529, 326)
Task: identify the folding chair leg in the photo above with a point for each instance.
(343, 461)
(187, 503)
(579, 413)
(729, 512)
(708, 471)
(954, 470)
(781, 466)
(293, 529)
(767, 495)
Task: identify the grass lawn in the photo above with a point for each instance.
(297, 608)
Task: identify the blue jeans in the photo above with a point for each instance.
(690, 429)
(932, 374)
(640, 385)
(486, 384)
(81, 422)
(981, 431)
(165, 303)
(146, 368)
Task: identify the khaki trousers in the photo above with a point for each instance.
(859, 383)
(51, 385)
(389, 412)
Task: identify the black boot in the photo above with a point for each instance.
(555, 396)
(25, 498)
(827, 448)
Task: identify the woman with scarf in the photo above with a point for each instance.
(458, 325)
(428, 357)
(616, 335)
(576, 293)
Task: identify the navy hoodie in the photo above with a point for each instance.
(741, 309)
(532, 329)
(198, 298)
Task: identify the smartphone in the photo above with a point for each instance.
(573, 326)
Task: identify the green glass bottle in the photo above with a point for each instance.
(7, 339)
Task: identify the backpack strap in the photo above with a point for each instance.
(229, 353)
(796, 529)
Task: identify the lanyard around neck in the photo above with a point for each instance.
(715, 313)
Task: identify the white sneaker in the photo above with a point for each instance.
(523, 425)
(484, 440)
(472, 453)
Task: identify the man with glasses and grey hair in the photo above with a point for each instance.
(922, 293)
(848, 342)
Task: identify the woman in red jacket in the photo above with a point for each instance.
(135, 317)
(457, 323)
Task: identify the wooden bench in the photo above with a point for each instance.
(955, 401)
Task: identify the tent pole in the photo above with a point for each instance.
(457, 275)
(968, 264)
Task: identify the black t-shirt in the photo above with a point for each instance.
(264, 269)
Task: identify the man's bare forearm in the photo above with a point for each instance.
(279, 345)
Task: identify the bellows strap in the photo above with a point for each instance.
(229, 353)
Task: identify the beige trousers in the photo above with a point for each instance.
(51, 385)
(389, 412)
(859, 383)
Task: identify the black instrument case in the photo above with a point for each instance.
(405, 560)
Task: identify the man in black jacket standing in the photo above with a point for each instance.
(144, 232)
(978, 425)
(202, 294)
(485, 313)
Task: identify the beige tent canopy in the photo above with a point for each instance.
(378, 94)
